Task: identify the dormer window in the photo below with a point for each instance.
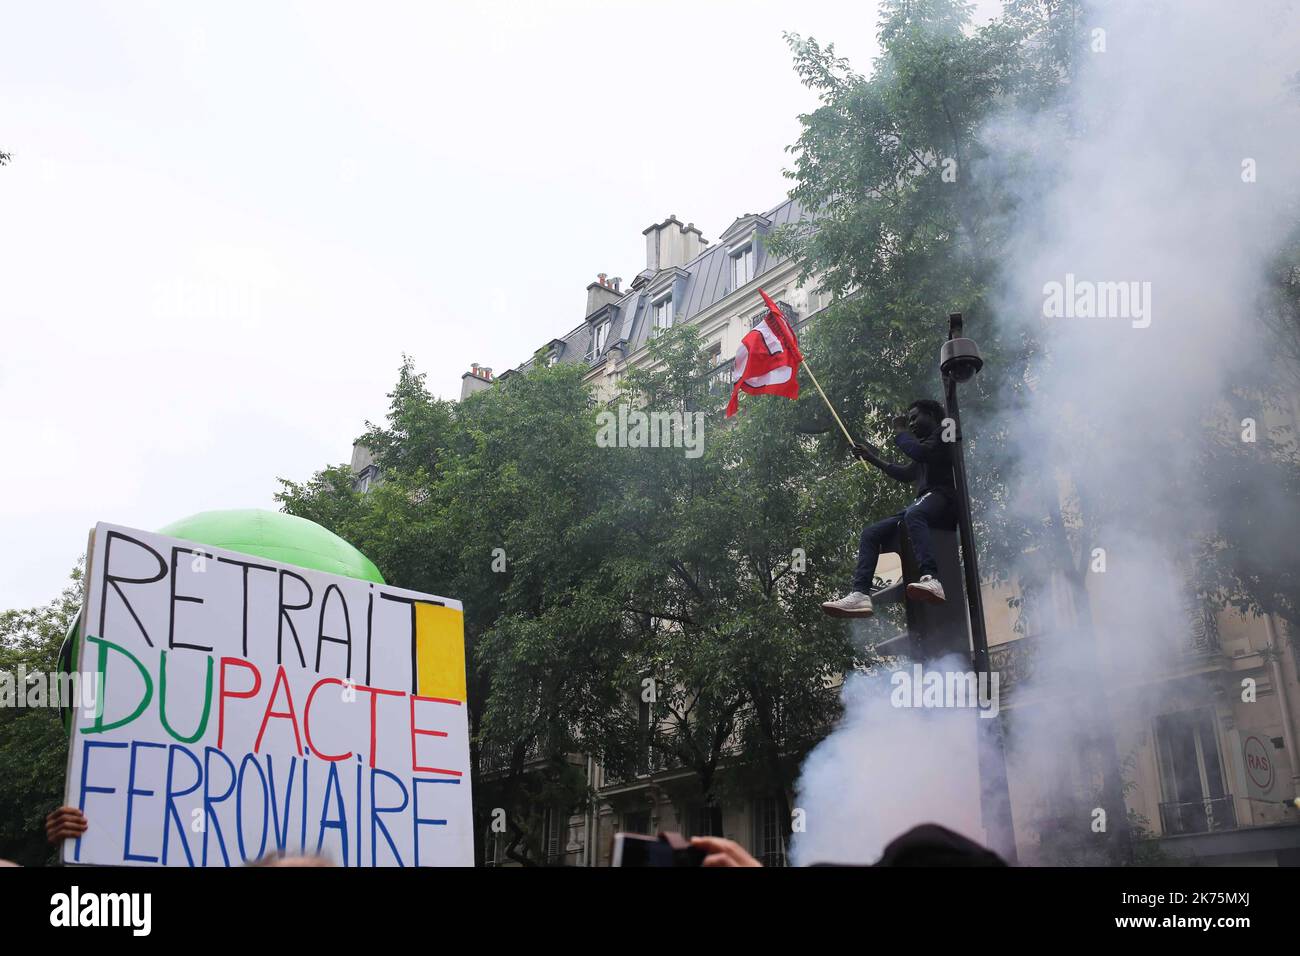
(552, 357)
(663, 312)
(366, 479)
(742, 265)
(599, 336)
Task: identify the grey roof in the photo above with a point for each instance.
(707, 280)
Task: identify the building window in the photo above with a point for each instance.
(1194, 798)
(719, 375)
(742, 265)
(638, 822)
(552, 357)
(663, 313)
(599, 336)
(769, 838)
(366, 479)
(554, 825)
(703, 820)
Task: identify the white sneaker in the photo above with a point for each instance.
(854, 604)
(928, 589)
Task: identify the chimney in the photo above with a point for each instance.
(601, 293)
(670, 244)
(476, 379)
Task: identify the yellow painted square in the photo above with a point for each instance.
(440, 651)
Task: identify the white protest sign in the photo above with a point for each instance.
(250, 707)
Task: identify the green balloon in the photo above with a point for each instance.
(278, 537)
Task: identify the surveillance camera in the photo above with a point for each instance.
(960, 359)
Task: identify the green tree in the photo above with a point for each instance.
(908, 228)
(33, 742)
(503, 502)
(587, 570)
(728, 554)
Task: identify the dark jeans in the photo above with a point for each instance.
(932, 510)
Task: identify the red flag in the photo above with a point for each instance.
(767, 361)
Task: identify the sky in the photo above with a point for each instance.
(223, 226)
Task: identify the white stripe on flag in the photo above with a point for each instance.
(742, 359)
(774, 377)
(773, 343)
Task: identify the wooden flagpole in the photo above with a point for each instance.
(772, 307)
(847, 436)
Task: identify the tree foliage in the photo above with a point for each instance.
(33, 742)
(910, 226)
(592, 574)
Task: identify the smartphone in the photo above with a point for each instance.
(667, 849)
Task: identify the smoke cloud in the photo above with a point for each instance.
(1148, 209)
(884, 769)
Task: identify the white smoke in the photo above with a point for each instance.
(884, 770)
(1172, 165)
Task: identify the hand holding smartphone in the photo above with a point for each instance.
(667, 849)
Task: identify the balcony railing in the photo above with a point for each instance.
(1198, 816)
(651, 761)
(718, 379)
(497, 759)
(1203, 635)
(1014, 661)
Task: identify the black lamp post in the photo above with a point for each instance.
(960, 361)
